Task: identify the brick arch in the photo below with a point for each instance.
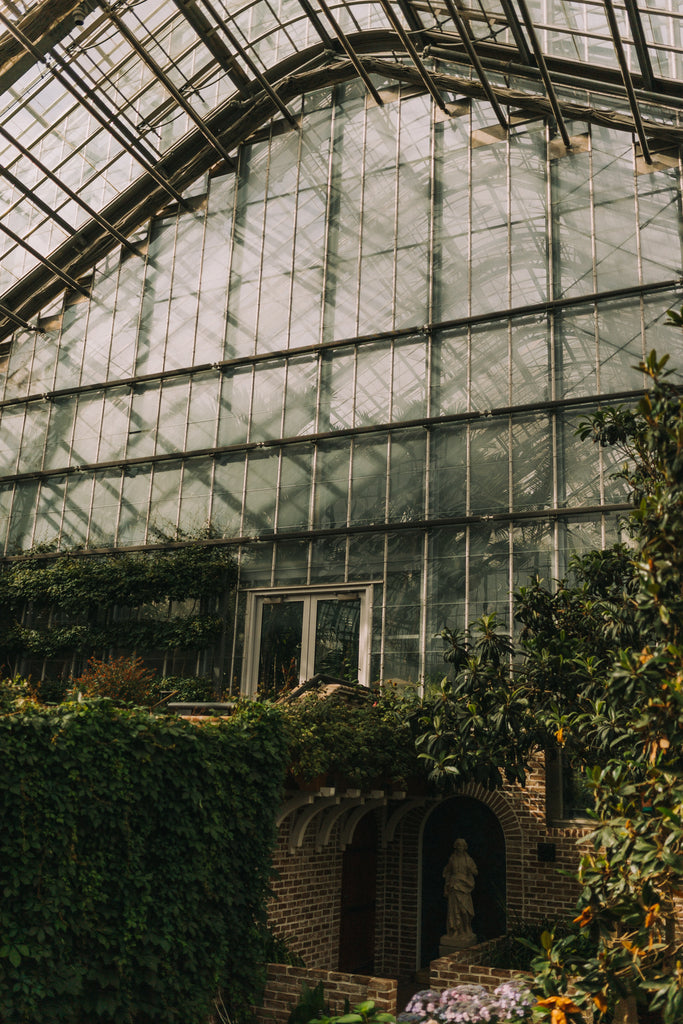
(499, 802)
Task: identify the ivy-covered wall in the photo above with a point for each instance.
(134, 862)
(56, 612)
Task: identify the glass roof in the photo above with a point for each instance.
(109, 110)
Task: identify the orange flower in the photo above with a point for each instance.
(584, 918)
(559, 736)
(600, 1001)
(559, 1007)
(651, 915)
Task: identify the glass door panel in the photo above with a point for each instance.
(337, 638)
(280, 647)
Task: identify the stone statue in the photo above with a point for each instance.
(459, 877)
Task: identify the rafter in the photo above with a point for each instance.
(626, 75)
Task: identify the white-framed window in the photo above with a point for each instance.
(297, 633)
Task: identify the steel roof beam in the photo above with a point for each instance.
(162, 77)
(28, 193)
(640, 43)
(19, 321)
(258, 75)
(315, 22)
(626, 76)
(517, 33)
(107, 120)
(109, 228)
(46, 24)
(71, 282)
(545, 74)
(350, 53)
(478, 67)
(414, 56)
(209, 36)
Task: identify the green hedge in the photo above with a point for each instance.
(134, 862)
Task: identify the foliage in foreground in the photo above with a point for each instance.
(134, 862)
(632, 872)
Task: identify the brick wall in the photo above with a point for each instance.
(305, 909)
(465, 968)
(283, 990)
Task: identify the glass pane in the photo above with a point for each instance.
(337, 632)
(280, 649)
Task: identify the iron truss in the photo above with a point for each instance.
(111, 109)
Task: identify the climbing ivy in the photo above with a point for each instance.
(76, 603)
(134, 862)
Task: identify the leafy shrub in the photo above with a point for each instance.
(183, 688)
(12, 690)
(363, 743)
(121, 679)
(134, 862)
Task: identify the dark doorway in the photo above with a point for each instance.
(358, 895)
(462, 817)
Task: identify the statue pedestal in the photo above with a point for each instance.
(450, 944)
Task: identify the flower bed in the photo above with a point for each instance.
(509, 1003)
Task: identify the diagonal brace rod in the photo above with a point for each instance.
(626, 77)
(478, 67)
(415, 57)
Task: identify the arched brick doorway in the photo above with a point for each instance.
(462, 816)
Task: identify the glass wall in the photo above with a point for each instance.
(361, 358)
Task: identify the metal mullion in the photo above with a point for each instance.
(264, 222)
(183, 469)
(633, 15)
(297, 201)
(394, 262)
(626, 77)
(107, 119)
(278, 482)
(414, 55)
(474, 58)
(332, 163)
(508, 203)
(171, 280)
(163, 78)
(431, 239)
(383, 615)
(148, 504)
(359, 249)
(262, 80)
(350, 52)
(202, 260)
(470, 177)
(636, 197)
(591, 198)
(542, 67)
(109, 228)
(231, 241)
(45, 260)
